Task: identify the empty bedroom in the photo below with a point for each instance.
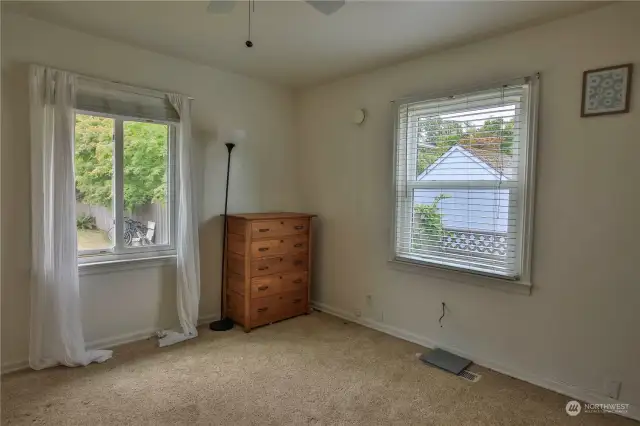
(343, 212)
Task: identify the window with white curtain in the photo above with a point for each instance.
(125, 161)
(463, 175)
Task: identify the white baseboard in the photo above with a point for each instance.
(575, 392)
(112, 342)
(108, 343)
(10, 367)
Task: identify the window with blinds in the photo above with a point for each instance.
(463, 175)
(125, 172)
(108, 98)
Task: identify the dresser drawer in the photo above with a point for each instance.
(265, 310)
(269, 285)
(275, 265)
(277, 307)
(293, 303)
(288, 245)
(279, 227)
(294, 281)
(266, 286)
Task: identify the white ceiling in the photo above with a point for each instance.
(294, 44)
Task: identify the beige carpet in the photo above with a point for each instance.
(315, 369)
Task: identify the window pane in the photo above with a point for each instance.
(468, 209)
(446, 230)
(94, 182)
(457, 180)
(475, 145)
(146, 166)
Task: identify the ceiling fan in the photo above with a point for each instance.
(328, 7)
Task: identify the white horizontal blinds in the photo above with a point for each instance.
(458, 180)
(109, 98)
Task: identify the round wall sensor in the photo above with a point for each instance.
(358, 116)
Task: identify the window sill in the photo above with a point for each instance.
(117, 265)
(508, 286)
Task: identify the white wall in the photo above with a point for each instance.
(578, 327)
(135, 302)
(580, 324)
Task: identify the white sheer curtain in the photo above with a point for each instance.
(56, 329)
(188, 274)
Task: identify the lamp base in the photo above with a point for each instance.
(223, 324)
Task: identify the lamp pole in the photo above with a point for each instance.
(224, 323)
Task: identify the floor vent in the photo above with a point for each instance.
(469, 375)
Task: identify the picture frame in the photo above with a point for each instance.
(606, 90)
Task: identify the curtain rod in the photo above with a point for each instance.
(127, 87)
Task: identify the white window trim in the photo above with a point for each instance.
(526, 181)
(118, 255)
(148, 260)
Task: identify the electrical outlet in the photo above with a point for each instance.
(612, 388)
(357, 313)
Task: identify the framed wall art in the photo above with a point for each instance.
(606, 90)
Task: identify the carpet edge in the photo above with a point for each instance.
(582, 394)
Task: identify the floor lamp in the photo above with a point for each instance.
(224, 323)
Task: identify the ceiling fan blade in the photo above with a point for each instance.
(326, 6)
(221, 7)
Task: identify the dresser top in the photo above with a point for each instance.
(268, 216)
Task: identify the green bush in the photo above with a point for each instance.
(86, 221)
(430, 229)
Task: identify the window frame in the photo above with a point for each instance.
(525, 185)
(119, 253)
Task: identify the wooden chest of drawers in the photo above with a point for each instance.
(267, 270)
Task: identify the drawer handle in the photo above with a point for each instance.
(263, 249)
(299, 227)
(263, 309)
(263, 287)
(263, 268)
(297, 300)
(263, 230)
(298, 245)
(298, 281)
(297, 262)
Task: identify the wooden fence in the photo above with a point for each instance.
(153, 212)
